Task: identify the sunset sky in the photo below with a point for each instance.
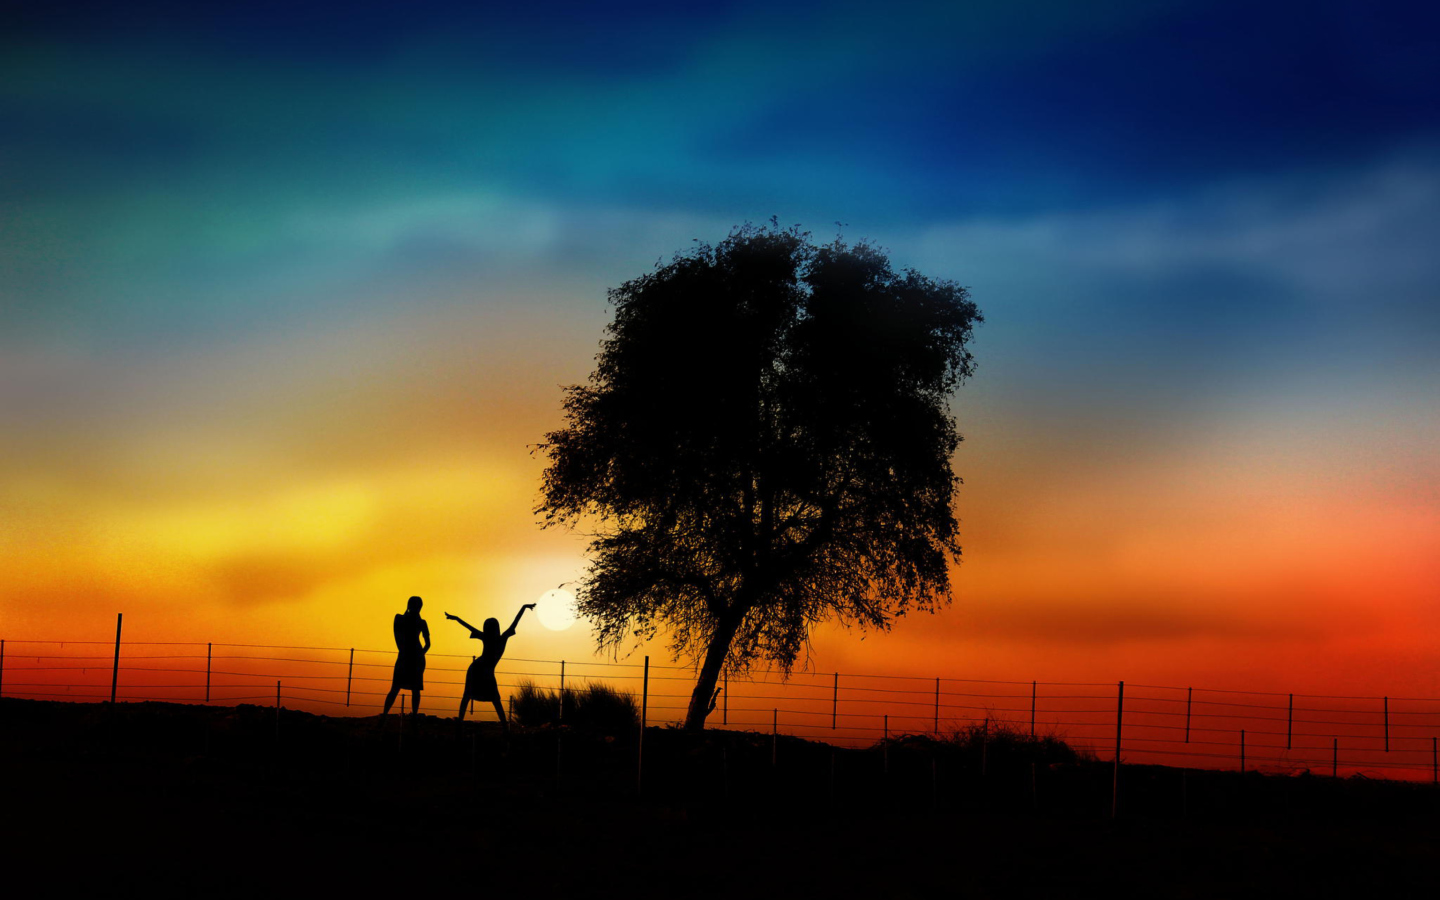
(287, 297)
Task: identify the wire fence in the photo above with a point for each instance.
(1193, 727)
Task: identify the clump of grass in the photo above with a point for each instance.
(996, 741)
(1008, 740)
(594, 707)
(604, 708)
(531, 705)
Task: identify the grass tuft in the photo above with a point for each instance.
(594, 707)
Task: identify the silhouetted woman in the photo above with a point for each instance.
(480, 679)
(410, 661)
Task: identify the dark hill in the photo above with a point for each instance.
(170, 798)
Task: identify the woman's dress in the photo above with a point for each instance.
(480, 677)
(410, 661)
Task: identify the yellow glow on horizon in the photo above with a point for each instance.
(556, 609)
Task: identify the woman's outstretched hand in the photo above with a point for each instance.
(528, 606)
(448, 616)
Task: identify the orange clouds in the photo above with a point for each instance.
(297, 489)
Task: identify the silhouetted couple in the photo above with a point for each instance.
(479, 679)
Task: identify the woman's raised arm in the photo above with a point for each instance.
(511, 630)
(473, 631)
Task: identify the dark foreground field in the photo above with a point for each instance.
(171, 799)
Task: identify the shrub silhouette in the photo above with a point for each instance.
(594, 707)
(997, 742)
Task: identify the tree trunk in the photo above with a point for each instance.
(710, 671)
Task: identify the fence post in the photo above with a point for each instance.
(1032, 709)
(1334, 757)
(2, 667)
(1387, 724)
(640, 744)
(725, 700)
(1189, 695)
(936, 729)
(834, 701)
(1289, 720)
(561, 716)
(774, 734)
(349, 676)
(1115, 778)
(115, 672)
(209, 648)
(1242, 751)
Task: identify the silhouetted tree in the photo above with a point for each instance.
(764, 444)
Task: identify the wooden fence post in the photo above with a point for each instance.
(1334, 757)
(936, 728)
(725, 701)
(2, 667)
(1115, 778)
(209, 649)
(774, 734)
(561, 715)
(834, 701)
(644, 714)
(349, 676)
(115, 672)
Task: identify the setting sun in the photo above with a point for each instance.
(556, 609)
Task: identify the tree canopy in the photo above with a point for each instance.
(765, 444)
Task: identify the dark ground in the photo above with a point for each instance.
(171, 799)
